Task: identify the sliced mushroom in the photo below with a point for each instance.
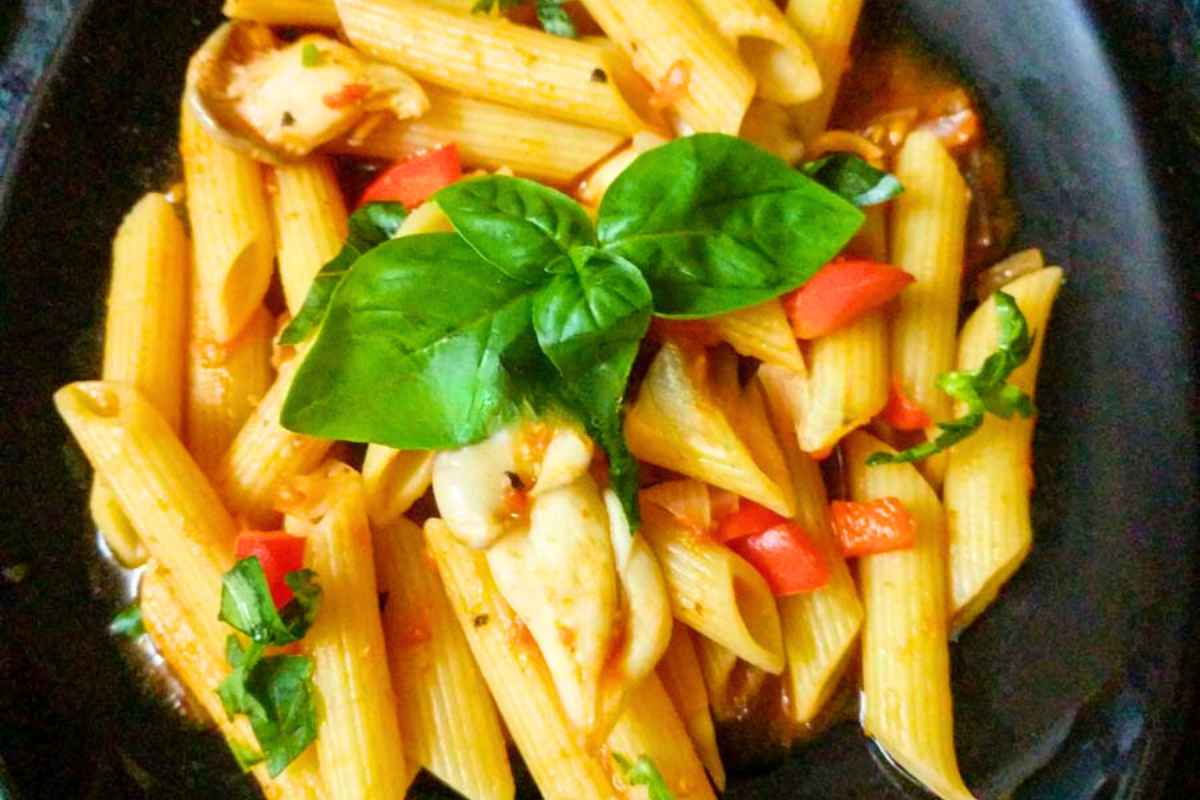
(280, 102)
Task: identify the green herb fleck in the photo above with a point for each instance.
(983, 390)
(310, 55)
(854, 179)
(128, 622)
(246, 604)
(643, 773)
(245, 755)
(550, 14)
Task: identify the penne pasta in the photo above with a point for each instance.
(848, 382)
(671, 39)
(358, 739)
(264, 456)
(680, 674)
(715, 592)
(761, 332)
(828, 28)
(394, 480)
(516, 675)
(495, 59)
(225, 383)
(447, 718)
(650, 727)
(905, 653)
(199, 663)
(172, 506)
(677, 423)
(234, 249)
(770, 126)
(491, 136)
(770, 47)
(310, 224)
(928, 232)
(989, 477)
(144, 336)
(732, 683)
(820, 627)
(293, 13)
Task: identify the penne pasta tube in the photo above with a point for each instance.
(495, 59)
(715, 592)
(671, 39)
(761, 332)
(905, 653)
(770, 47)
(732, 683)
(928, 232)
(310, 224)
(820, 627)
(234, 249)
(828, 28)
(491, 136)
(447, 718)
(172, 506)
(989, 477)
(516, 675)
(358, 739)
(770, 126)
(680, 674)
(677, 423)
(292, 13)
(848, 382)
(199, 663)
(264, 456)
(651, 727)
(394, 480)
(225, 383)
(144, 336)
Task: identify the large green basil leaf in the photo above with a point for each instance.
(590, 322)
(854, 179)
(717, 224)
(420, 349)
(520, 226)
(369, 226)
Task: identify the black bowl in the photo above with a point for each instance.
(1073, 686)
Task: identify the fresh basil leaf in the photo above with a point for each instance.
(854, 179)
(643, 772)
(246, 604)
(128, 622)
(717, 224)
(520, 226)
(369, 226)
(421, 349)
(983, 390)
(277, 695)
(590, 322)
(245, 755)
(555, 19)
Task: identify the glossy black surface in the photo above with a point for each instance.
(1073, 686)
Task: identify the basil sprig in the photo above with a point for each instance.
(984, 391)
(643, 772)
(854, 179)
(434, 341)
(128, 622)
(275, 692)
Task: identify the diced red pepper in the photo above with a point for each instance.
(786, 557)
(348, 95)
(414, 180)
(278, 553)
(697, 332)
(749, 518)
(903, 413)
(875, 526)
(840, 293)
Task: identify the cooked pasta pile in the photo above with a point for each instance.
(666, 404)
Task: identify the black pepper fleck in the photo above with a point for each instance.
(288, 119)
(599, 76)
(480, 620)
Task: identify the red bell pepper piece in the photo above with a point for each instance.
(876, 526)
(278, 553)
(414, 180)
(749, 518)
(903, 413)
(786, 557)
(840, 293)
